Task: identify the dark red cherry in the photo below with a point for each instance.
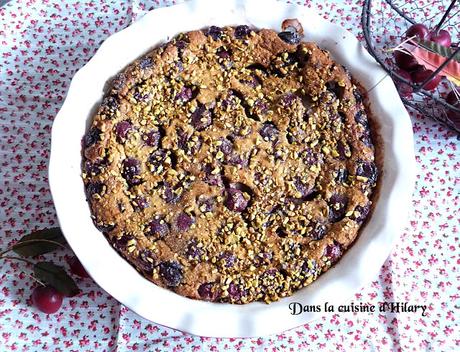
(158, 229)
(337, 207)
(441, 37)
(454, 100)
(368, 170)
(185, 94)
(242, 32)
(76, 267)
(405, 61)
(184, 222)
(215, 32)
(201, 118)
(421, 75)
(269, 132)
(304, 189)
(131, 171)
(228, 258)
(333, 251)
(209, 291)
(235, 200)
(152, 138)
(91, 137)
(235, 292)
(318, 231)
(194, 251)
(171, 272)
(404, 89)
(47, 299)
(140, 203)
(419, 30)
(122, 129)
(360, 213)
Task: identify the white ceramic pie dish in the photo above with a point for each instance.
(359, 265)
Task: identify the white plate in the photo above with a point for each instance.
(359, 265)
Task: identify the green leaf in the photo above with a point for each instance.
(57, 277)
(39, 242)
(438, 49)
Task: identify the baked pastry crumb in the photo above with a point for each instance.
(231, 164)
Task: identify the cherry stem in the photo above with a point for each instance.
(19, 245)
(35, 279)
(26, 261)
(455, 91)
(399, 47)
(17, 258)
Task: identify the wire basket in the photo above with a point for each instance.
(385, 23)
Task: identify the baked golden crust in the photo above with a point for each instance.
(229, 165)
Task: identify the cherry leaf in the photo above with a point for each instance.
(39, 242)
(439, 49)
(56, 277)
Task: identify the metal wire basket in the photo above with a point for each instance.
(384, 25)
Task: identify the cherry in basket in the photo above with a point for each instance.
(453, 98)
(404, 89)
(441, 37)
(420, 75)
(419, 31)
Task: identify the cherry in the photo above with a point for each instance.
(215, 32)
(158, 228)
(93, 188)
(145, 63)
(269, 132)
(131, 171)
(194, 252)
(47, 299)
(171, 272)
(122, 129)
(235, 292)
(207, 291)
(76, 267)
(235, 200)
(337, 207)
(290, 37)
(318, 231)
(421, 75)
(368, 170)
(333, 251)
(418, 30)
(185, 94)
(242, 32)
(152, 138)
(441, 37)
(404, 89)
(404, 74)
(91, 137)
(453, 100)
(184, 222)
(360, 213)
(405, 61)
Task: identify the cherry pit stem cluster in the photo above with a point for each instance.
(53, 282)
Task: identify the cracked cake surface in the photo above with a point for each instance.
(231, 164)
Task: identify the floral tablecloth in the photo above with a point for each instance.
(42, 45)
